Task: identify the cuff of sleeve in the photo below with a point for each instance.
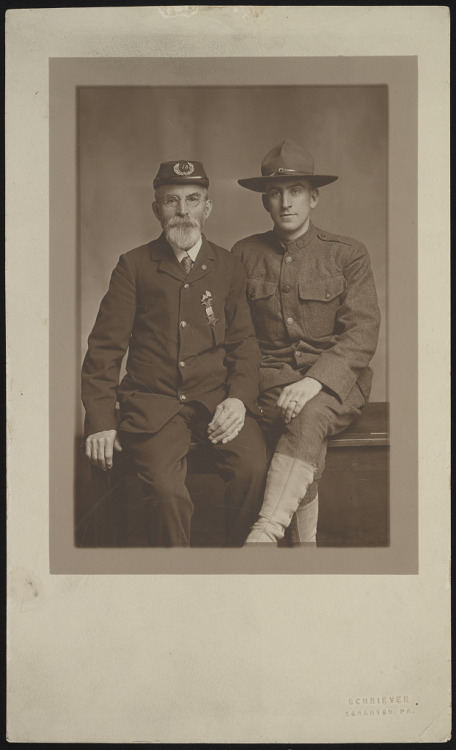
(340, 382)
(249, 400)
(100, 423)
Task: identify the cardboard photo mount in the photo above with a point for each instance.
(99, 653)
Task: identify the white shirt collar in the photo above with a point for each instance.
(193, 252)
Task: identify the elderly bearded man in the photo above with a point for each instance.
(314, 307)
(178, 304)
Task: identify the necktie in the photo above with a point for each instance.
(187, 263)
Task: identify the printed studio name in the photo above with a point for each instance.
(384, 705)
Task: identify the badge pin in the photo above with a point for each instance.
(206, 300)
(184, 168)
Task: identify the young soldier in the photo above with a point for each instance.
(314, 307)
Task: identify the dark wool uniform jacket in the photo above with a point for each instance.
(314, 307)
(175, 355)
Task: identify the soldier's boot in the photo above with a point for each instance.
(287, 483)
(303, 529)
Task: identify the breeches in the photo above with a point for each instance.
(306, 436)
(160, 460)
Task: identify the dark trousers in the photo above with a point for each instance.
(161, 463)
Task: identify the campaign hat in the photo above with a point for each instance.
(286, 160)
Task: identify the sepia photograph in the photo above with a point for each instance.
(241, 371)
(248, 400)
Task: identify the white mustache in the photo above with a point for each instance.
(184, 222)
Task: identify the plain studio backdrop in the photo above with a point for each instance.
(125, 132)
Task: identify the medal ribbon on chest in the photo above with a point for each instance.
(206, 300)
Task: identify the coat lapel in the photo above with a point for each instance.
(163, 254)
(203, 263)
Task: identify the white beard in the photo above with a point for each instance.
(184, 233)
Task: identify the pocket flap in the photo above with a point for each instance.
(260, 288)
(322, 290)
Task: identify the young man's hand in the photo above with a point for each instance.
(227, 422)
(295, 396)
(100, 446)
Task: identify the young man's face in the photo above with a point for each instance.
(182, 211)
(289, 202)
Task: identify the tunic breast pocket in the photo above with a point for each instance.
(319, 302)
(264, 307)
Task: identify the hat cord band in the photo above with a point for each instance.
(281, 170)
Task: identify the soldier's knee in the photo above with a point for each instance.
(314, 416)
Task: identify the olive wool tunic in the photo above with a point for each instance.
(314, 306)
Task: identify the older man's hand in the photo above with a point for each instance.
(295, 396)
(100, 447)
(227, 422)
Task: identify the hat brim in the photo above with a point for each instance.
(259, 184)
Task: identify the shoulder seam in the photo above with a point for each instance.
(343, 240)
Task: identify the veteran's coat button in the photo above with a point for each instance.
(204, 267)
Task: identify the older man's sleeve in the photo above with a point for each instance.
(107, 344)
(243, 354)
(357, 327)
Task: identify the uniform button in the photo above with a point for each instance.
(286, 288)
(288, 259)
(290, 321)
(183, 397)
(183, 324)
(204, 267)
(327, 295)
(186, 286)
(181, 364)
(298, 354)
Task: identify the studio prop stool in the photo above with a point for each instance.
(353, 492)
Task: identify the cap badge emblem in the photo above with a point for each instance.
(184, 168)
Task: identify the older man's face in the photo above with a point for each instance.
(182, 211)
(289, 202)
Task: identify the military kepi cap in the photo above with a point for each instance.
(286, 160)
(181, 172)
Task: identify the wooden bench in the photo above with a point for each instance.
(353, 493)
(354, 488)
